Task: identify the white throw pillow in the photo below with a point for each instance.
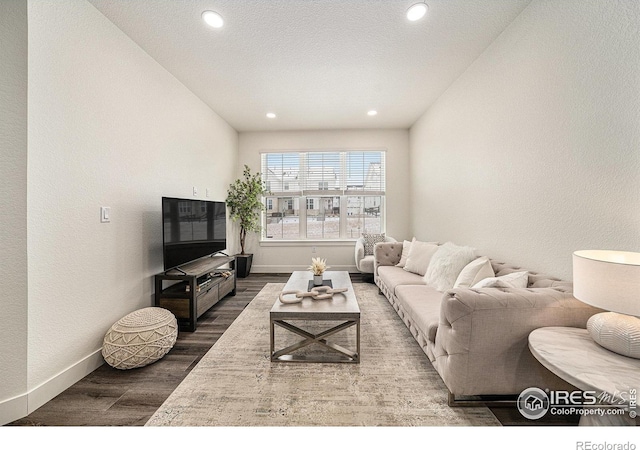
(511, 280)
(477, 270)
(419, 256)
(406, 246)
(446, 265)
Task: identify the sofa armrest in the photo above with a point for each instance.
(386, 254)
(485, 331)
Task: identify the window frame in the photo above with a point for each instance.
(303, 196)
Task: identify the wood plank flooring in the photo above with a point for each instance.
(111, 397)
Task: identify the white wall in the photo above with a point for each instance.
(108, 126)
(287, 257)
(13, 208)
(533, 152)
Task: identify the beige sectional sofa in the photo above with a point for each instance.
(476, 338)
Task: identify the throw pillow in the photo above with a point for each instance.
(370, 240)
(406, 246)
(478, 269)
(419, 256)
(511, 280)
(446, 265)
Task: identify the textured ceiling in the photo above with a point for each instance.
(317, 64)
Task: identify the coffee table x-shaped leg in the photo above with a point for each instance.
(340, 353)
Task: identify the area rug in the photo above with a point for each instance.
(236, 384)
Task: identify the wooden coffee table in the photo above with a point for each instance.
(342, 308)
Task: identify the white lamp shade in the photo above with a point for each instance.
(608, 279)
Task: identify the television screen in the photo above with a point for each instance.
(192, 229)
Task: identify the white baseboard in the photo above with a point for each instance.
(40, 395)
(13, 409)
(288, 269)
(23, 405)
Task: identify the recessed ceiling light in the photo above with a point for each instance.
(372, 112)
(417, 11)
(213, 19)
(271, 115)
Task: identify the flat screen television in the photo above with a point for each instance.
(192, 229)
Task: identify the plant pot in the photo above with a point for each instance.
(317, 280)
(242, 265)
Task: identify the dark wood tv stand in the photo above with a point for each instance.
(197, 286)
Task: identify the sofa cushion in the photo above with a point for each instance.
(512, 280)
(370, 240)
(393, 276)
(478, 269)
(406, 246)
(420, 255)
(422, 304)
(446, 264)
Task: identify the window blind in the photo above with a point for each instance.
(281, 173)
(365, 173)
(324, 173)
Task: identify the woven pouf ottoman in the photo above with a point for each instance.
(140, 338)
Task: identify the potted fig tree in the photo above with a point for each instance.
(244, 200)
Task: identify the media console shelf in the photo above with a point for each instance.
(197, 286)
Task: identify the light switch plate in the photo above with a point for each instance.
(105, 214)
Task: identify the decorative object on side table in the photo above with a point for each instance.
(610, 280)
(244, 200)
(318, 267)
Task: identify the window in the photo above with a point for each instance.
(324, 222)
(282, 222)
(363, 215)
(310, 203)
(184, 208)
(344, 194)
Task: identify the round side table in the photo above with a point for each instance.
(571, 354)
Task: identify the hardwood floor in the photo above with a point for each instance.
(111, 397)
